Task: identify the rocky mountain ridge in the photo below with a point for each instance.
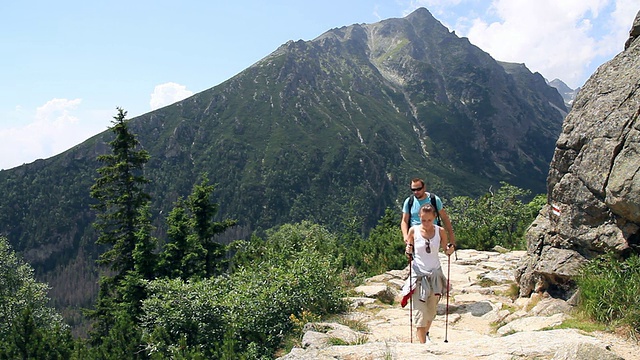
(484, 321)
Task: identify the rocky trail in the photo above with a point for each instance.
(483, 323)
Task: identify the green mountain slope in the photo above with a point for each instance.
(322, 130)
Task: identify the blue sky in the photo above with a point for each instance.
(66, 65)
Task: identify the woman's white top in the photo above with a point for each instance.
(423, 260)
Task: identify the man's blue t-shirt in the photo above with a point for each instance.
(415, 218)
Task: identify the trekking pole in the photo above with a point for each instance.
(446, 318)
(410, 303)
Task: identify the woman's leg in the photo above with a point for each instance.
(421, 332)
(430, 315)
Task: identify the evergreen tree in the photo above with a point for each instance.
(203, 211)
(29, 340)
(381, 251)
(182, 256)
(123, 225)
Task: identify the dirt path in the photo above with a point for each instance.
(483, 321)
(475, 312)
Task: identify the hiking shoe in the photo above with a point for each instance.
(428, 340)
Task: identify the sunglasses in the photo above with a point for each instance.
(417, 189)
(428, 248)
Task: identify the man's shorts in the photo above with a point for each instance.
(424, 311)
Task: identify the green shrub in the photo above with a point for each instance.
(188, 313)
(381, 251)
(296, 274)
(499, 218)
(29, 327)
(609, 290)
(247, 314)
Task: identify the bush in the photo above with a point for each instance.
(383, 250)
(247, 314)
(29, 327)
(499, 218)
(609, 290)
(296, 273)
(184, 313)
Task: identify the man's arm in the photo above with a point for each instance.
(404, 225)
(447, 226)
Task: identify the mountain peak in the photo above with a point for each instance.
(420, 13)
(568, 94)
(560, 85)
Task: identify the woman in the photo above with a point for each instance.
(427, 282)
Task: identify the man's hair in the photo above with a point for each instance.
(418, 180)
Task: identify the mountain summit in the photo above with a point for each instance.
(327, 130)
(567, 93)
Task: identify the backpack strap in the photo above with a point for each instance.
(434, 203)
(410, 204)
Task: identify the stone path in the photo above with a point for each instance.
(483, 322)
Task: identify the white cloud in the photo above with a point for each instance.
(549, 36)
(564, 39)
(49, 130)
(168, 93)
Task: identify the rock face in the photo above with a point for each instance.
(593, 185)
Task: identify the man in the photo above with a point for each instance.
(410, 217)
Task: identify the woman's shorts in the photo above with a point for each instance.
(424, 311)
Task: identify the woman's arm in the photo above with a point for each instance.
(443, 239)
(444, 243)
(409, 247)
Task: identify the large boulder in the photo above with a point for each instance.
(594, 179)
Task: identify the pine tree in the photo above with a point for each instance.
(182, 256)
(123, 225)
(203, 211)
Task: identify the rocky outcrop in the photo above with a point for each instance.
(483, 321)
(594, 179)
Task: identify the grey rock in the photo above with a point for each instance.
(594, 179)
(634, 32)
(314, 339)
(551, 306)
(531, 323)
(372, 290)
(317, 335)
(355, 302)
(585, 351)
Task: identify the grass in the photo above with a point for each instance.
(484, 282)
(511, 308)
(609, 289)
(360, 339)
(581, 323)
(355, 325)
(534, 300)
(513, 292)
